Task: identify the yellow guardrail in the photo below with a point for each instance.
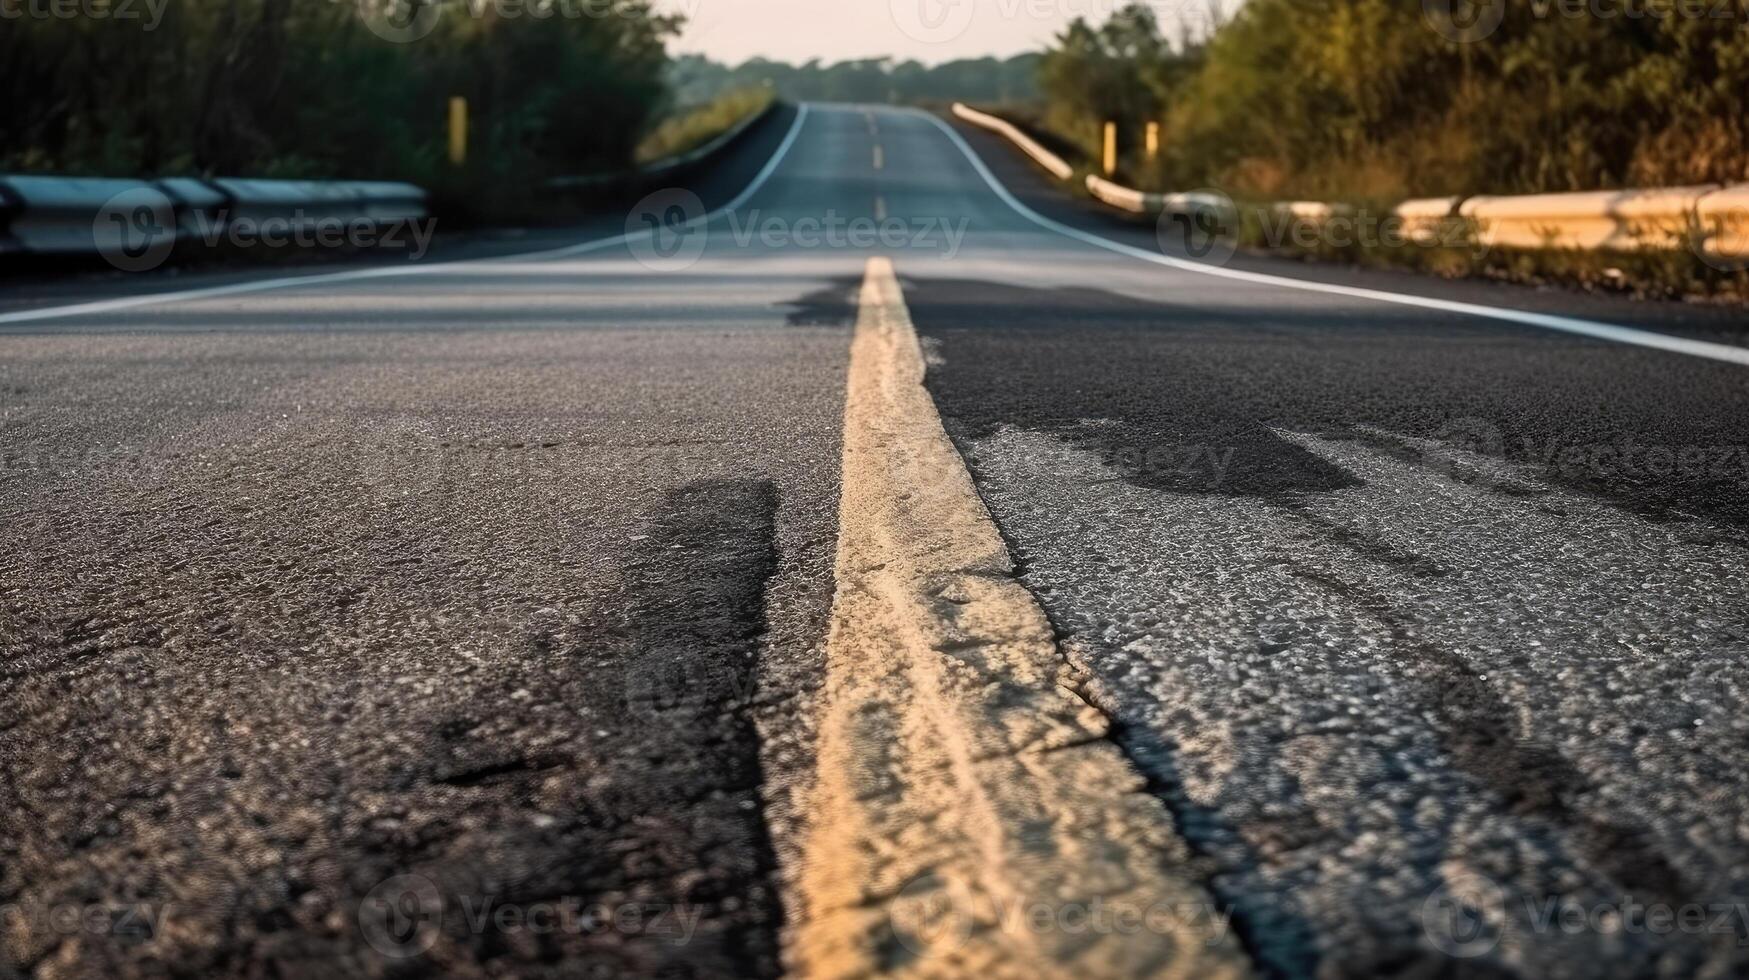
(1058, 168)
(1712, 219)
(1724, 222)
(1619, 221)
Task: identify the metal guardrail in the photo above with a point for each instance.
(1124, 198)
(1425, 219)
(1712, 219)
(45, 215)
(1723, 217)
(1620, 221)
(346, 200)
(1146, 202)
(1056, 165)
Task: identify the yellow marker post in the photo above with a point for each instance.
(458, 130)
(1110, 148)
(1153, 140)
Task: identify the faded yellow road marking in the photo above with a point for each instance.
(880, 208)
(963, 784)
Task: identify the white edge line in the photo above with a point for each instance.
(355, 275)
(1587, 328)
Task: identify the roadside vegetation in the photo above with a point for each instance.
(1366, 238)
(1370, 102)
(276, 88)
(688, 129)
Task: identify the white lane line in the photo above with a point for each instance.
(357, 275)
(1587, 328)
(879, 157)
(880, 208)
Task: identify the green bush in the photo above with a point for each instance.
(1364, 100)
(304, 88)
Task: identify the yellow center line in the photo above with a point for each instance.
(960, 771)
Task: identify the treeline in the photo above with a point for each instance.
(1381, 99)
(987, 80)
(316, 88)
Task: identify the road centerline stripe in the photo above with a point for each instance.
(962, 782)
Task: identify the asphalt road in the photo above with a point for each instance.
(333, 611)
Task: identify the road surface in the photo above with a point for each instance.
(338, 613)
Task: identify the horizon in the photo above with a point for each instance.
(932, 32)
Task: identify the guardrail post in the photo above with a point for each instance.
(1153, 140)
(1110, 148)
(458, 130)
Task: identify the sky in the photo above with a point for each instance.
(930, 31)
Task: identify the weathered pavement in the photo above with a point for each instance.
(330, 614)
(473, 588)
(1430, 630)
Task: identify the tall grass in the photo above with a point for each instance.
(690, 128)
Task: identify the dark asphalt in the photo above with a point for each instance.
(468, 623)
(1395, 608)
(452, 625)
